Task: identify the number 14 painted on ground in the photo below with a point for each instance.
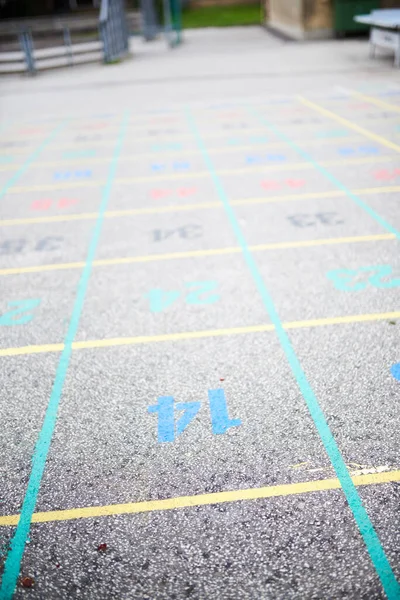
(199, 292)
(169, 428)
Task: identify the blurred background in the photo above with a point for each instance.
(69, 22)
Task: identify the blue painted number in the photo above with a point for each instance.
(251, 140)
(79, 154)
(20, 313)
(344, 279)
(359, 150)
(169, 428)
(200, 288)
(199, 294)
(395, 371)
(256, 159)
(176, 166)
(166, 146)
(72, 174)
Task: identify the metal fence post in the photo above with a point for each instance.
(68, 44)
(25, 38)
(114, 29)
(149, 20)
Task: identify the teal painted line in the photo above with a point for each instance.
(31, 159)
(371, 539)
(336, 182)
(17, 546)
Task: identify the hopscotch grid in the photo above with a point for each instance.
(187, 151)
(273, 246)
(350, 125)
(216, 150)
(191, 335)
(374, 101)
(187, 136)
(337, 484)
(365, 527)
(205, 499)
(321, 168)
(18, 541)
(277, 101)
(20, 171)
(187, 207)
(202, 174)
(137, 130)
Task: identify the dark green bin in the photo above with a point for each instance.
(346, 10)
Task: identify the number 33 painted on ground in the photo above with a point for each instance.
(344, 279)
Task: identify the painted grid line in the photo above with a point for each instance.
(126, 260)
(201, 174)
(336, 182)
(367, 531)
(231, 149)
(372, 100)
(31, 159)
(192, 335)
(152, 210)
(17, 546)
(349, 124)
(146, 506)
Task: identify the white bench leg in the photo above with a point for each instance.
(371, 45)
(397, 52)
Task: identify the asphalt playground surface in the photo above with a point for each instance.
(200, 324)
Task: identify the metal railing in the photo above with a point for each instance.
(47, 43)
(171, 18)
(114, 31)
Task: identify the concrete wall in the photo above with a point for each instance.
(301, 19)
(318, 17)
(195, 3)
(390, 3)
(286, 16)
(306, 19)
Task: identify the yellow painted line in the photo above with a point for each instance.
(176, 176)
(324, 242)
(191, 151)
(139, 133)
(111, 214)
(192, 335)
(42, 268)
(150, 210)
(38, 349)
(159, 139)
(154, 154)
(317, 195)
(369, 134)
(107, 262)
(55, 186)
(260, 493)
(376, 101)
(367, 318)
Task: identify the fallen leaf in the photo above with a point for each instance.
(102, 547)
(27, 582)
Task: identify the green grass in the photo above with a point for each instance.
(221, 16)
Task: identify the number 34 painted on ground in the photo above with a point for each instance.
(346, 279)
